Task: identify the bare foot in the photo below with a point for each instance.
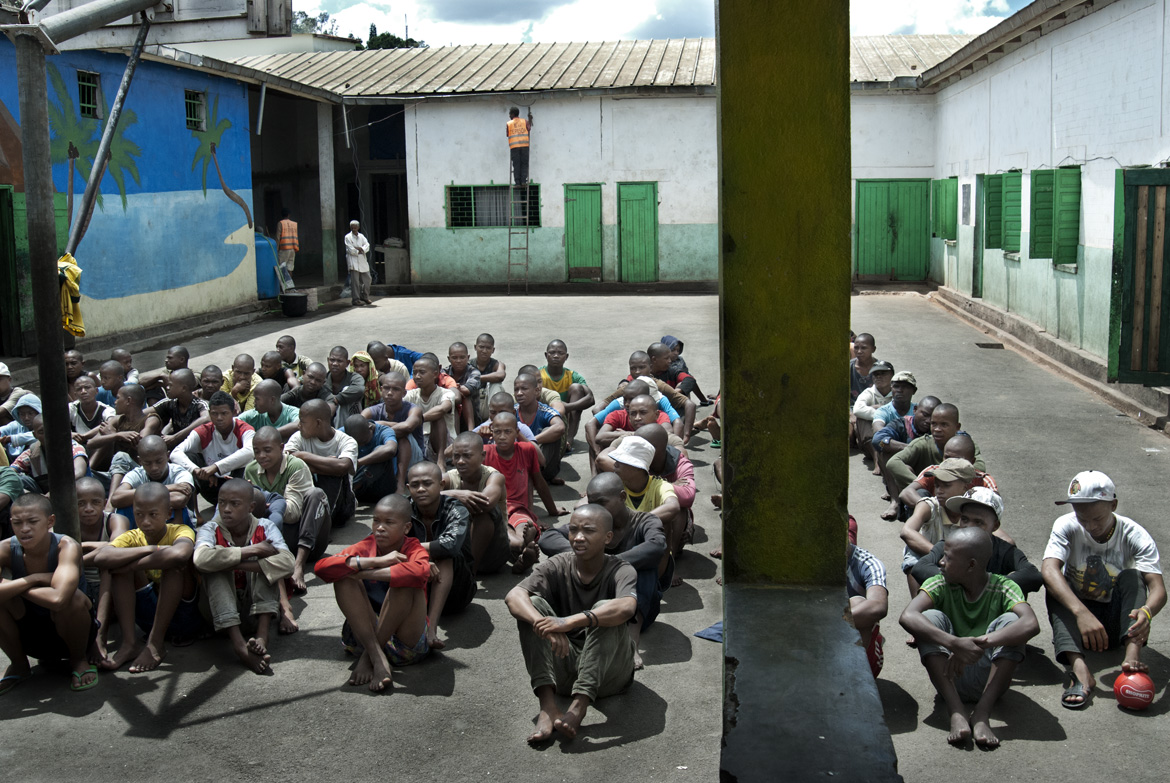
(876, 471)
(288, 623)
(639, 664)
(569, 722)
(1131, 666)
(148, 660)
(718, 580)
(891, 513)
(717, 501)
(257, 648)
(676, 581)
(960, 729)
(257, 663)
(716, 553)
(984, 736)
(120, 659)
(380, 678)
(298, 580)
(363, 672)
(544, 726)
(886, 496)
(433, 640)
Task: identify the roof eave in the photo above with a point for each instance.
(198, 62)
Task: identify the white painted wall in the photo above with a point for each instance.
(575, 139)
(893, 135)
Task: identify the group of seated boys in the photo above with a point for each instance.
(968, 616)
(282, 451)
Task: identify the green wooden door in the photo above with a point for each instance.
(583, 232)
(23, 268)
(893, 228)
(638, 231)
(1144, 355)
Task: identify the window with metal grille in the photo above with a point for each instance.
(487, 206)
(196, 110)
(88, 92)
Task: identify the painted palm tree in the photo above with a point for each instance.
(71, 138)
(208, 142)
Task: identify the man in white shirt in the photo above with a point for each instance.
(330, 455)
(1104, 583)
(223, 446)
(867, 404)
(356, 247)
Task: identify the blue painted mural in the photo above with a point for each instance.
(157, 225)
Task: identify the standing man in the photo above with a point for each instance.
(287, 243)
(518, 131)
(356, 247)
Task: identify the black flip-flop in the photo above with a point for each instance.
(1076, 689)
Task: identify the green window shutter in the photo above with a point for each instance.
(993, 206)
(950, 226)
(1040, 240)
(1066, 215)
(1013, 215)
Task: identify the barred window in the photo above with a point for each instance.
(196, 110)
(88, 87)
(487, 206)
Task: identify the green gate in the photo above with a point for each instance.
(583, 232)
(638, 231)
(893, 228)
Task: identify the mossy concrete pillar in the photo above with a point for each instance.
(784, 284)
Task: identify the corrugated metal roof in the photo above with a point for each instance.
(446, 70)
(882, 58)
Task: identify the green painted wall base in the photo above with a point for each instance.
(442, 256)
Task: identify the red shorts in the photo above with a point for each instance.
(520, 517)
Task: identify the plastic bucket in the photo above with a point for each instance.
(294, 304)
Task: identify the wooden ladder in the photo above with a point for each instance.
(517, 234)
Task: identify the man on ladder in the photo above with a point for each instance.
(518, 130)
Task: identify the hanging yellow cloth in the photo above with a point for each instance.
(69, 277)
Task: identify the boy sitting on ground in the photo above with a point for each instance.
(269, 411)
(210, 381)
(482, 491)
(662, 368)
(154, 465)
(959, 446)
(548, 426)
(152, 582)
(404, 418)
(932, 519)
(380, 585)
(306, 516)
(216, 450)
(182, 411)
(379, 470)
(569, 384)
(632, 461)
(502, 402)
(971, 628)
(242, 559)
(286, 346)
(16, 436)
(384, 360)
(330, 454)
(312, 387)
(98, 527)
(519, 463)
(927, 450)
(74, 369)
(638, 538)
(466, 377)
(111, 376)
(867, 405)
(241, 384)
(155, 382)
(639, 409)
(442, 525)
(30, 465)
(126, 359)
(271, 369)
(120, 434)
(10, 395)
(347, 387)
(492, 373)
(86, 414)
(1104, 583)
(678, 365)
(44, 611)
(572, 613)
(438, 408)
(869, 600)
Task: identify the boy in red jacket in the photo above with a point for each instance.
(380, 584)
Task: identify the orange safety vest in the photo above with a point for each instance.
(517, 133)
(288, 236)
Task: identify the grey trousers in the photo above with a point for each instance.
(311, 530)
(359, 286)
(973, 679)
(602, 665)
(227, 603)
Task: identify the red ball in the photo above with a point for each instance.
(1134, 691)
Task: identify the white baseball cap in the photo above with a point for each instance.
(4, 370)
(980, 495)
(1089, 486)
(634, 451)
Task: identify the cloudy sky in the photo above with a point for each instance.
(441, 22)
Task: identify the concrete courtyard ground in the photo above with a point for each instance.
(464, 713)
(1035, 430)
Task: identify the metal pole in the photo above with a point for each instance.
(42, 245)
(260, 113)
(77, 230)
(90, 16)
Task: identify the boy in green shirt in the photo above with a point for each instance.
(270, 411)
(575, 393)
(971, 627)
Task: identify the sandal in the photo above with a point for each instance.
(11, 681)
(1076, 689)
(716, 444)
(76, 685)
